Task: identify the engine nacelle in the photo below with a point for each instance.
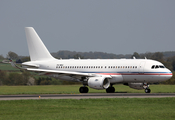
(138, 86)
(98, 82)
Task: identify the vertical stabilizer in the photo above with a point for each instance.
(37, 49)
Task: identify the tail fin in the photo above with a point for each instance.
(37, 49)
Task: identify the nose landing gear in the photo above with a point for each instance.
(147, 90)
(146, 87)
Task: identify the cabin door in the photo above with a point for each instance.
(141, 67)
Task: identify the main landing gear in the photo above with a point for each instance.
(110, 89)
(84, 89)
(146, 87)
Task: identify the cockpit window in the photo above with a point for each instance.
(161, 66)
(157, 66)
(153, 67)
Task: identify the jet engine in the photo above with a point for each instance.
(138, 86)
(98, 82)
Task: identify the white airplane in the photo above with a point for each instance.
(95, 73)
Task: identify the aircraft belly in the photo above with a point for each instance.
(116, 79)
(136, 78)
(143, 78)
(131, 78)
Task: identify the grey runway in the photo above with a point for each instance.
(87, 96)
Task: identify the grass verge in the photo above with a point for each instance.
(74, 89)
(93, 109)
(8, 67)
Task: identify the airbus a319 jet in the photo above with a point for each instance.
(95, 73)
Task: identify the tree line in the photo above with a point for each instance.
(11, 78)
(26, 78)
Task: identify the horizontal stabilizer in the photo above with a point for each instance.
(15, 66)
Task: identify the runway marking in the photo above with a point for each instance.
(87, 96)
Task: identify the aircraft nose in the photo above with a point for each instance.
(170, 74)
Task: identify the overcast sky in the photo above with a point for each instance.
(112, 26)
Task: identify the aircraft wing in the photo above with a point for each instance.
(61, 73)
(66, 73)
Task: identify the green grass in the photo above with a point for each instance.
(6, 66)
(89, 109)
(74, 89)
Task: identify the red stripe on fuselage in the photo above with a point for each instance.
(134, 73)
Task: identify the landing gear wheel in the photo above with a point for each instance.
(83, 89)
(110, 90)
(147, 90)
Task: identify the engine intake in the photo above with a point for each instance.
(98, 82)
